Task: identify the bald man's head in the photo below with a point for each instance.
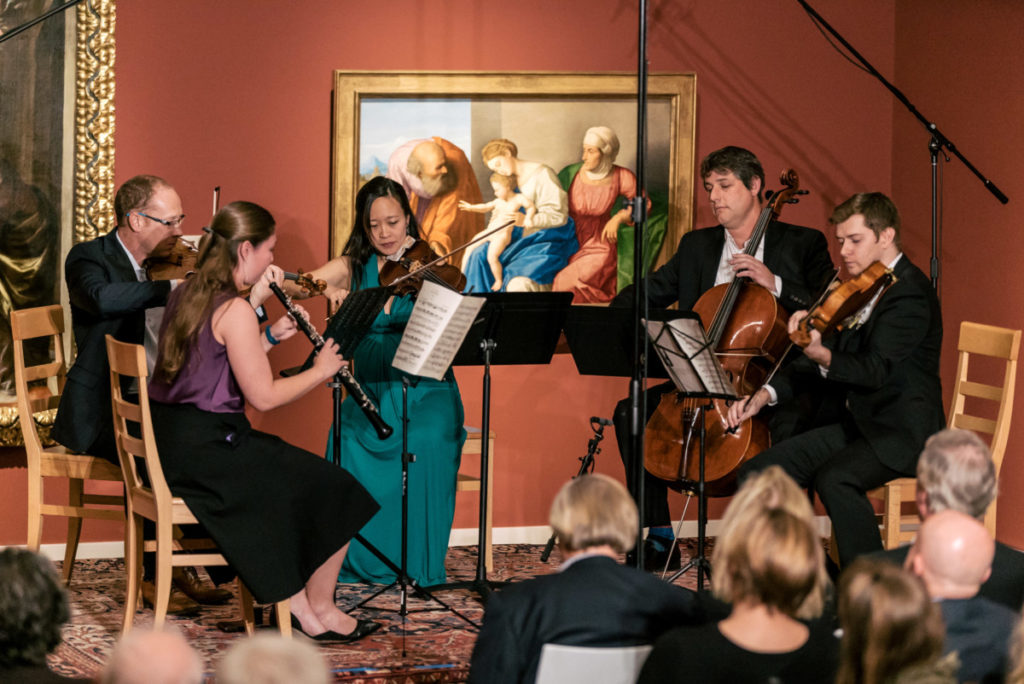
(953, 554)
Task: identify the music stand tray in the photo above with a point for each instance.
(601, 340)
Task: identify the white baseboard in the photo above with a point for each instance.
(539, 534)
(466, 536)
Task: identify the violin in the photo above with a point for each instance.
(310, 286)
(178, 264)
(843, 301)
(418, 263)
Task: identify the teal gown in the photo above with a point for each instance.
(436, 435)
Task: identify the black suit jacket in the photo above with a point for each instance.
(593, 602)
(106, 298)
(1006, 583)
(885, 373)
(796, 254)
(979, 631)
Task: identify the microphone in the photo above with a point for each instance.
(600, 421)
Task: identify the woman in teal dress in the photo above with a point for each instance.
(385, 226)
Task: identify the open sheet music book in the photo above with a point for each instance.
(434, 333)
(687, 356)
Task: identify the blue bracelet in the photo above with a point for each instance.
(270, 337)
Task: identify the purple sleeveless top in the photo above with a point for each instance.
(206, 380)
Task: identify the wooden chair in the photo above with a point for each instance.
(474, 445)
(976, 340)
(39, 388)
(155, 502)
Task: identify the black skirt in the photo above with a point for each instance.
(275, 511)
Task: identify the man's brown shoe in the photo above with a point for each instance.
(188, 581)
(178, 604)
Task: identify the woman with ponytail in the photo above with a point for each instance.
(261, 499)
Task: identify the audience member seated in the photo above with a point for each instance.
(892, 631)
(33, 608)
(147, 657)
(953, 555)
(591, 601)
(1016, 673)
(769, 564)
(772, 489)
(272, 659)
(956, 472)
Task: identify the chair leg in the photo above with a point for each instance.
(35, 504)
(76, 489)
(284, 618)
(893, 517)
(133, 569)
(164, 569)
(247, 613)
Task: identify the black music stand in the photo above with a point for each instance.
(512, 328)
(690, 361)
(601, 342)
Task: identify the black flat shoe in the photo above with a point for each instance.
(362, 629)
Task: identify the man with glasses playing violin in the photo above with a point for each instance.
(111, 294)
(877, 381)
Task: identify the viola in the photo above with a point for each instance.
(842, 301)
(178, 264)
(418, 263)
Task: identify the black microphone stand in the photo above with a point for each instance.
(937, 141)
(586, 466)
(637, 396)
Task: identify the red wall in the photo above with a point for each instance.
(238, 94)
(961, 65)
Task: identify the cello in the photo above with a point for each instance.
(747, 329)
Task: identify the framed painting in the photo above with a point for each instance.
(386, 122)
(56, 156)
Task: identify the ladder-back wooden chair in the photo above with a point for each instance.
(983, 408)
(133, 429)
(39, 388)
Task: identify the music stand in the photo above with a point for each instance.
(512, 328)
(687, 355)
(601, 340)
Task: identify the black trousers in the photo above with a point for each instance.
(839, 464)
(654, 511)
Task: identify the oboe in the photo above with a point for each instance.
(344, 375)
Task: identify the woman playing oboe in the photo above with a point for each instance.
(262, 500)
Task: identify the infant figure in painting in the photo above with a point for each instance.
(506, 203)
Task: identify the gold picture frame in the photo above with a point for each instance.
(510, 103)
(84, 200)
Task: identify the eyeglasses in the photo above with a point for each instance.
(170, 223)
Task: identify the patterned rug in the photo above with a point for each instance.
(431, 645)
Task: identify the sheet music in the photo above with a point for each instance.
(436, 328)
(688, 358)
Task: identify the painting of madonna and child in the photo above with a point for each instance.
(541, 186)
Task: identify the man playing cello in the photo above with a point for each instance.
(792, 263)
(877, 380)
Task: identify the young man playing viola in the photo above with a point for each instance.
(876, 381)
(792, 262)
